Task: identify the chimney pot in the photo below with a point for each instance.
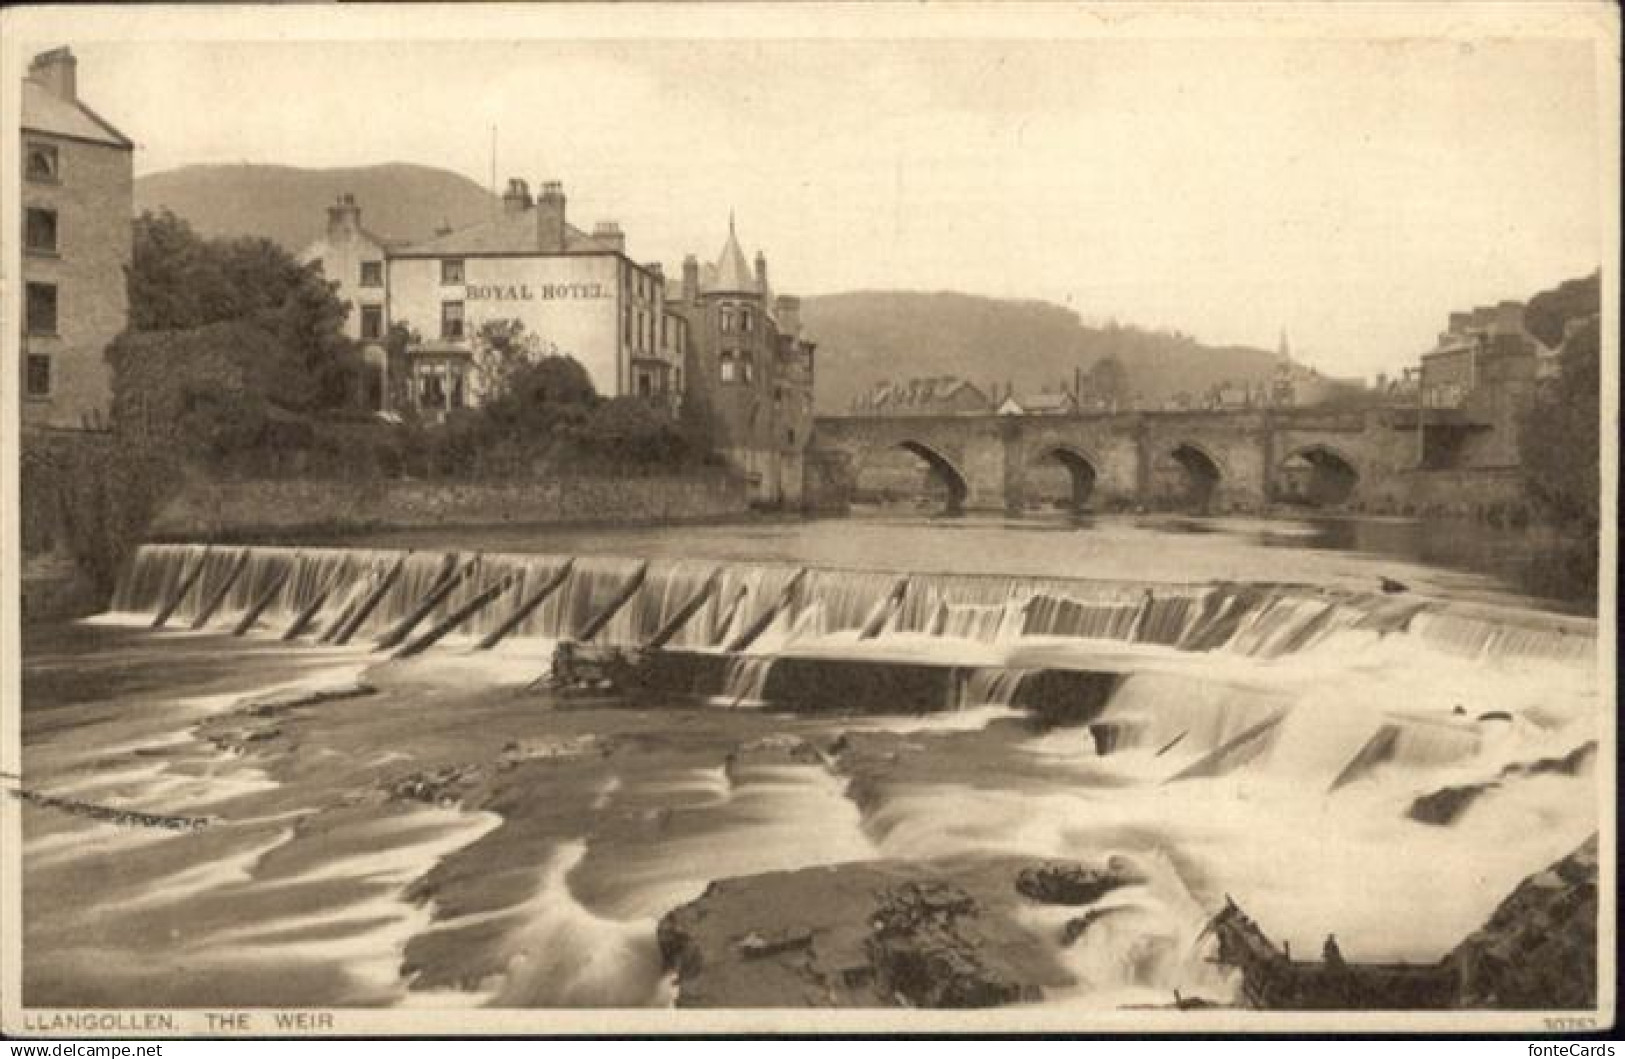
(610, 232)
(58, 71)
(550, 217)
(517, 198)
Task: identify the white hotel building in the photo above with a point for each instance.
(576, 294)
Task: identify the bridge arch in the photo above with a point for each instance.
(883, 472)
(1201, 474)
(1316, 475)
(1082, 469)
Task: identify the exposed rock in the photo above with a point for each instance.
(1570, 764)
(442, 786)
(1070, 883)
(1078, 926)
(1447, 803)
(923, 957)
(1538, 951)
(273, 705)
(941, 934)
(548, 749)
(777, 749)
(238, 739)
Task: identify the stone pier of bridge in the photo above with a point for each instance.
(1207, 461)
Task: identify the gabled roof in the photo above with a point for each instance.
(506, 233)
(44, 111)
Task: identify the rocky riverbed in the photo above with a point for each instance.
(429, 833)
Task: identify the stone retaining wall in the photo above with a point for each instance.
(206, 509)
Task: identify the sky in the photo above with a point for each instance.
(1352, 191)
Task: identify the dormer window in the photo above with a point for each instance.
(372, 273)
(42, 164)
(451, 271)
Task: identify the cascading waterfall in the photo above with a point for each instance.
(1253, 621)
(1194, 701)
(1240, 732)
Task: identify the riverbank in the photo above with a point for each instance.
(212, 509)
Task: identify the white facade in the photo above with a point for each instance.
(577, 295)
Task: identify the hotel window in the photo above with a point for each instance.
(38, 382)
(729, 369)
(372, 321)
(451, 319)
(41, 309)
(42, 166)
(372, 273)
(451, 271)
(40, 231)
(744, 320)
(727, 319)
(747, 368)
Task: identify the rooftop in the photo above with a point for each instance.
(44, 111)
(505, 233)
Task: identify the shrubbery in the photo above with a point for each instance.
(92, 497)
(1558, 437)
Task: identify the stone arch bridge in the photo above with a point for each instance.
(1204, 461)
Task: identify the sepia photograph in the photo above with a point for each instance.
(808, 519)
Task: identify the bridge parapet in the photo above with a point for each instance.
(1213, 460)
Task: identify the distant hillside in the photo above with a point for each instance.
(398, 201)
(871, 336)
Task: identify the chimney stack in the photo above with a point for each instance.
(610, 234)
(58, 71)
(691, 279)
(344, 217)
(761, 272)
(517, 198)
(550, 224)
(787, 307)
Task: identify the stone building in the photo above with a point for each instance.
(576, 294)
(941, 395)
(1472, 385)
(750, 369)
(356, 260)
(76, 192)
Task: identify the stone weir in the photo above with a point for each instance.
(806, 639)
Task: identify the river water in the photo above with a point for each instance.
(431, 833)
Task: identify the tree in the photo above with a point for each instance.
(541, 397)
(179, 282)
(636, 431)
(1550, 311)
(1558, 434)
(1106, 380)
(402, 336)
(501, 349)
